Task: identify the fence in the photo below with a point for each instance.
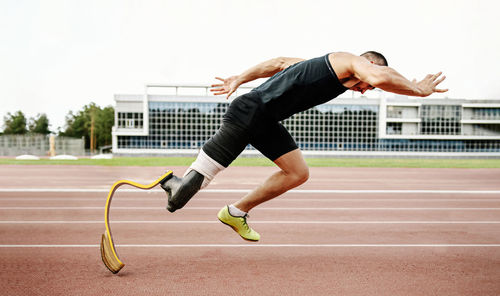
(35, 144)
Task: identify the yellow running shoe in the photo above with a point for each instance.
(238, 224)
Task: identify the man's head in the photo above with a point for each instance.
(375, 58)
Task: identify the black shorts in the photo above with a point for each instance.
(246, 122)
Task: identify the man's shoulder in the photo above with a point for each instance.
(341, 63)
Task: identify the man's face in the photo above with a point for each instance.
(362, 87)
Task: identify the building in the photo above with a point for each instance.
(176, 119)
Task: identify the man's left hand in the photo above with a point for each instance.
(228, 86)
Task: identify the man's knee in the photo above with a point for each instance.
(299, 176)
(303, 175)
(294, 167)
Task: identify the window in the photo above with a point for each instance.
(440, 120)
(486, 113)
(394, 128)
(130, 120)
(394, 112)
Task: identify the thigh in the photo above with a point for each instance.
(245, 110)
(227, 143)
(273, 140)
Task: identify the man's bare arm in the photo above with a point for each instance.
(267, 69)
(262, 70)
(390, 80)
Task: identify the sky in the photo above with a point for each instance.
(59, 55)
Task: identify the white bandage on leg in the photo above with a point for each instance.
(206, 166)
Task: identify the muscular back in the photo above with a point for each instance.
(299, 87)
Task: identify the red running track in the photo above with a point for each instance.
(444, 240)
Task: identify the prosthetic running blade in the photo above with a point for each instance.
(108, 250)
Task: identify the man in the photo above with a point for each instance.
(254, 118)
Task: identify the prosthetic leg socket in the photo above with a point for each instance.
(180, 190)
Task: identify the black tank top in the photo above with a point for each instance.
(299, 87)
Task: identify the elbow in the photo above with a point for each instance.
(272, 66)
(279, 63)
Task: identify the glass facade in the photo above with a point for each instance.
(440, 120)
(410, 145)
(190, 125)
(336, 127)
(486, 113)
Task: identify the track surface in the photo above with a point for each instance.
(323, 240)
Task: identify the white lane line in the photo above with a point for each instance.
(299, 191)
(257, 245)
(259, 209)
(202, 199)
(253, 222)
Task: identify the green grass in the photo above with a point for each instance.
(259, 161)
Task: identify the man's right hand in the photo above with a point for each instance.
(228, 86)
(428, 85)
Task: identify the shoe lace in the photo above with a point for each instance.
(245, 222)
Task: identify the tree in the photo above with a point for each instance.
(104, 121)
(39, 125)
(15, 124)
(79, 124)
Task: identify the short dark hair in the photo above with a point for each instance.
(376, 57)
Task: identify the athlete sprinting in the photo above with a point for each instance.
(254, 118)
